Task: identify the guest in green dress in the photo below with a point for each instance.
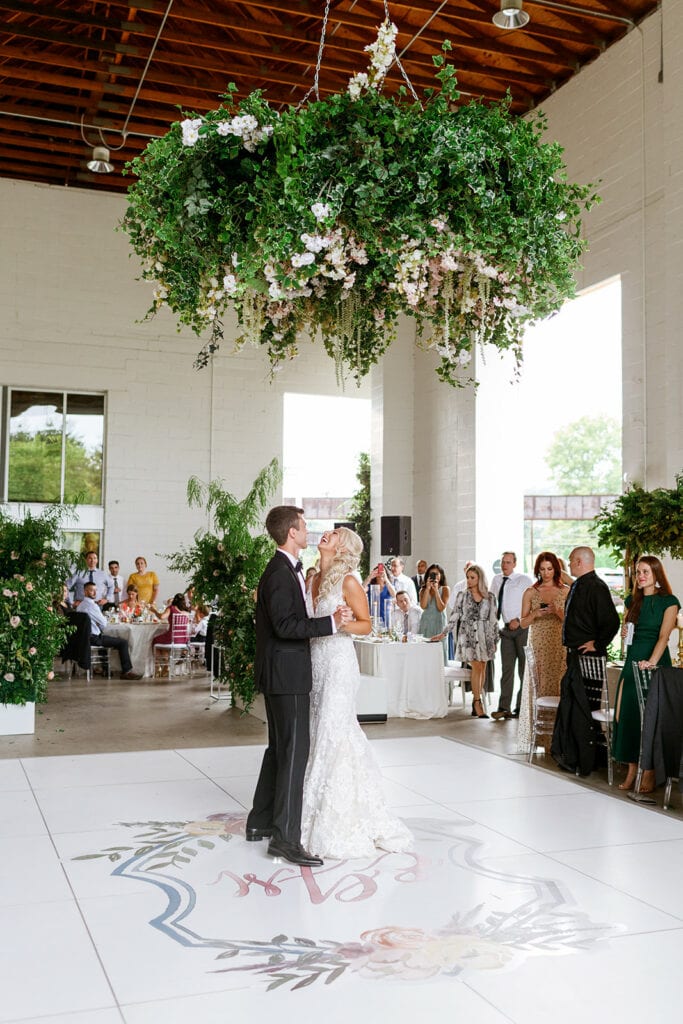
(433, 598)
(652, 609)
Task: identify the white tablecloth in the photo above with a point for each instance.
(139, 637)
(416, 687)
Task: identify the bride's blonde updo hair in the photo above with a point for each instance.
(345, 561)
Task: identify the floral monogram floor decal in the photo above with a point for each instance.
(443, 909)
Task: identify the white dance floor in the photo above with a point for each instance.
(128, 894)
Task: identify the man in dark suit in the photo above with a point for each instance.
(590, 622)
(419, 577)
(283, 675)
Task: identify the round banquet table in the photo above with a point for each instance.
(416, 687)
(139, 636)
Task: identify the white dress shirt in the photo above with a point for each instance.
(101, 579)
(517, 583)
(403, 582)
(93, 610)
(117, 581)
(302, 581)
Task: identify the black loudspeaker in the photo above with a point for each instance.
(395, 535)
(349, 526)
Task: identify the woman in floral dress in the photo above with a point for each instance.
(543, 614)
(475, 618)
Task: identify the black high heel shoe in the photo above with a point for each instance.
(481, 706)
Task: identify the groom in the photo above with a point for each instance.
(283, 675)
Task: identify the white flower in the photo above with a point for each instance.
(230, 284)
(321, 211)
(224, 128)
(275, 291)
(9, 676)
(438, 223)
(303, 259)
(357, 84)
(234, 259)
(465, 357)
(160, 294)
(14, 621)
(314, 243)
(190, 129)
(7, 593)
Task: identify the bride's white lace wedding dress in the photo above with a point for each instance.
(344, 811)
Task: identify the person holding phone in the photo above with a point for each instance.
(543, 614)
(434, 594)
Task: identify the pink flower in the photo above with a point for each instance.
(50, 675)
(9, 676)
(29, 586)
(32, 650)
(14, 555)
(15, 621)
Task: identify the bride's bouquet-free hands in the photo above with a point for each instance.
(342, 616)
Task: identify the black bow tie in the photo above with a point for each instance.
(299, 567)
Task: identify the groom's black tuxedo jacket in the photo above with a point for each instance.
(283, 629)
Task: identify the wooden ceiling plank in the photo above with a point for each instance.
(44, 13)
(80, 42)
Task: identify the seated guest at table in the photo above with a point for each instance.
(91, 574)
(131, 607)
(408, 614)
(434, 595)
(101, 639)
(146, 581)
(199, 622)
(652, 609)
(176, 607)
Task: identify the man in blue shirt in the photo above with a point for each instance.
(101, 639)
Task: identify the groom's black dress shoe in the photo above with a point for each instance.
(293, 852)
(252, 835)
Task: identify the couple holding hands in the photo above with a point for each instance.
(319, 792)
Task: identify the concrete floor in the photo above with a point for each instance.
(106, 716)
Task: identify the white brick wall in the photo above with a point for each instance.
(70, 304)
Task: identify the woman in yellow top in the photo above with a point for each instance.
(146, 582)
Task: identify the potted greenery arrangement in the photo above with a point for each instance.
(643, 522)
(341, 214)
(32, 570)
(224, 565)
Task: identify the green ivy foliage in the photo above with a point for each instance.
(405, 186)
(225, 564)
(643, 522)
(360, 511)
(32, 570)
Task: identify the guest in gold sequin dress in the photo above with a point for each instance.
(543, 612)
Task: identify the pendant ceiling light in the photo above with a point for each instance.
(100, 163)
(511, 15)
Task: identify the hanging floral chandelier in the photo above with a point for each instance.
(340, 215)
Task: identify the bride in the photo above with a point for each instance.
(344, 812)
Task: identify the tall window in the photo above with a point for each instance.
(51, 450)
(55, 447)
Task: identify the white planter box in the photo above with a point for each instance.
(17, 719)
